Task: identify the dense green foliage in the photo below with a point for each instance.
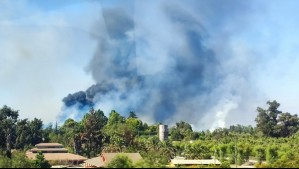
(272, 143)
(40, 161)
(274, 123)
(18, 160)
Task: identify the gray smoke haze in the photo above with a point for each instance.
(172, 61)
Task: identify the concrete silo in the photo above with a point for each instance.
(163, 132)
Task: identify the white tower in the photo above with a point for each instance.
(163, 132)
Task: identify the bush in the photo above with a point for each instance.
(121, 161)
(225, 164)
(5, 162)
(18, 160)
(40, 161)
(262, 165)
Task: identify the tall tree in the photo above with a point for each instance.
(47, 131)
(114, 130)
(267, 119)
(135, 125)
(23, 133)
(36, 126)
(73, 131)
(8, 120)
(93, 123)
(181, 130)
(115, 118)
(272, 122)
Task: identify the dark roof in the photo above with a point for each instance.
(49, 150)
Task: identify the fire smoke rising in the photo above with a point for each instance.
(170, 61)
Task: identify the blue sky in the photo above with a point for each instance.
(46, 47)
(44, 52)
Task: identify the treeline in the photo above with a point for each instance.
(273, 140)
(18, 133)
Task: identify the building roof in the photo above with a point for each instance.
(58, 156)
(97, 162)
(106, 158)
(48, 145)
(179, 158)
(195, 162)
(133, 156)
(49, 149)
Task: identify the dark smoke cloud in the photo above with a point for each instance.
(86, 99)
(158, 62)
(77, 98)
(99, 88)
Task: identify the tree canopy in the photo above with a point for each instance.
(121, 161)
(273, 142)
(274, 123)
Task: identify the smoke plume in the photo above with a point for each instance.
(171, 61)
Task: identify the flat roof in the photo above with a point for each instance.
(58, 156)
(49, 149)
(48, 145)
(97, 162)
(195, 162)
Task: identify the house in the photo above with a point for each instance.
(183, 162)
(55, 153)
(106, 158)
